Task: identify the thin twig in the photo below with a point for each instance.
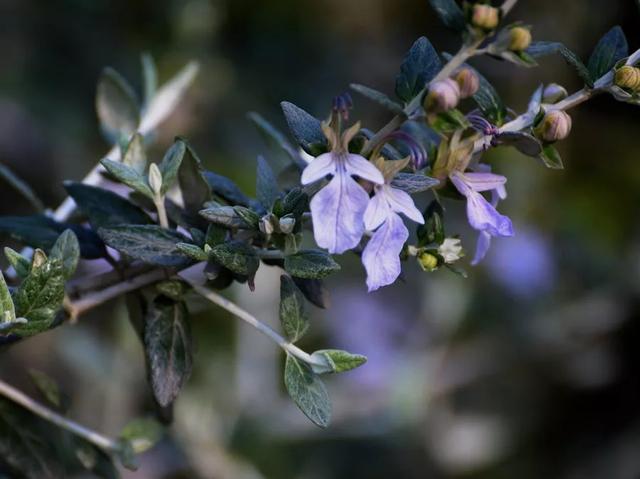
(192, 275)
(95, 438)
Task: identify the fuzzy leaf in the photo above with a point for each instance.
(236, 256)
(310, 264)
(20, 264)
(21, 187)
(314, 290)
(39, 297)
(275, 137)
(307, 391)
(293, 311)
(7, 310)
(339, 361)
(142, 434)
(149, 77)
(116, 106)
(105, 208)
(170, 164)
(67, 250)
(294, 203)
(167, 342)
(193, 251)
(226, 189)
(413, 183)
(420, 65)
(432, 231)
(136, 155)
(489, 101)
(193, 185)
(523, 142)
(377, 96)
(611, 48)
(148, 243)
(541, 49)
(305, 128)
(39, 231)
(225, 216)
(127, 175)
(450, 14)
(551, 158)
(267, 189)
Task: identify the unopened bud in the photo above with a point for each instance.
(485, 16)
(556, 125)
(287, 224)
(519, 39)
(628, 77)
(468, 82)
(553, 93)
(155, 178)
(266, 224)
(451, 250)
(427, 261)
(443, 96)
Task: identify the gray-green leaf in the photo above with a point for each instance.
(142, 433)
(310, 264)
(67, 250)
(377, 96)
(127, 175)
(236, 256)
(20, 264)
(339, 361)
(551, 158)
(419, 66)
(116, 106)
(305, 128)
(293, 309)
(167, 341)
(307, 391)
(136, 155)
(7, 310)
(611, 48)
(450, 14)
(149, 243)
(170, 164)
(267, 190)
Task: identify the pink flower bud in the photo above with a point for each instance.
(443, 96)
(468, 82)
(556, 125)
(485, 16)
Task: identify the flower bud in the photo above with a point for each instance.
(443, 96)
(427, 261)
(628, 77)
(155, 179)
(468, 82)
(556, 125)
(287, 224)
(519, 39)
(266, 226)
(451, 250)
(485, 16)
(553, 93)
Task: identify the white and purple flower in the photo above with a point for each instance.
(481, 213)
(337, 210)
(381, 257)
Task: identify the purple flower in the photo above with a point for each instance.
(483, 215)
(337, 209)
(381, 255)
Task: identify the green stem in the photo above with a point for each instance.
(95, 438)
(162, 212)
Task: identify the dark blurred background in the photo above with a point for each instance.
(527, 369)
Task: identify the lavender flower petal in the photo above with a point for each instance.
(360, 166)
(377, 211)
(337, 211)
(484, 217)
(401, 202)
(482, 246)
(483, 181)
(319, 167)
(381, 256)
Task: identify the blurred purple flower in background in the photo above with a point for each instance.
(338, 208)
(524, 265)
(381, 255)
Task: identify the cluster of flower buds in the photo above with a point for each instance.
(485, 17)
(519, 38)
(628, 77)
(270, 224)
(555, 125)
(444, 95)
(553, 93)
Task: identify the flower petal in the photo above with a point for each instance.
(484, 217)
(401, 202)
(483, 181)
(482, 246)
(360, 166)
(381, 257)
(337, 211)
(377, 210)
(320, 167)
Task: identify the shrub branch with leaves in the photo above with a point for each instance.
(184, 231)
